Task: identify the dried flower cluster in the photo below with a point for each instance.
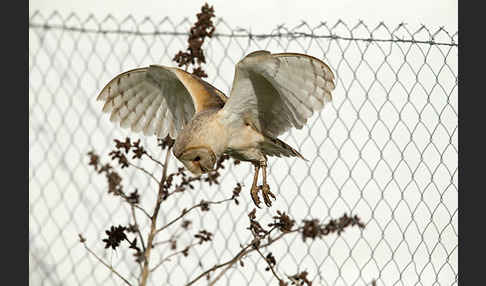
(136, 148)
(236, 193)
(166, 142)
(256, 228)
(133, 198)
(312, 228)
(283, 222)
(299, 279)
(117, 234)
(203, 236)
(270, 259)
(113, 178)
(194, 53)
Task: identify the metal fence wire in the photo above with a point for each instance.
(385, 149)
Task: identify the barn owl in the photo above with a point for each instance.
(271, 93)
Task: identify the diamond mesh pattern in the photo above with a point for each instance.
(385, 149)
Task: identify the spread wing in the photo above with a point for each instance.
(158, 100)
(278, 91)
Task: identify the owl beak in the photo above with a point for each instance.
(202, 168)
(193, 167)
(198, 165)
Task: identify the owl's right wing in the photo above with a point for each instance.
(275, 92)
(157, 99)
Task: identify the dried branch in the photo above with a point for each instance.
(145, 171)
(153, 159)
(281, 223)
(83, 241)
(262, 237)
(153, 223)
(229, 263)
(186, 211)
(243, 252)
(132, 208)
(143, 211)
(182, 251)
(172, 240)
(270, 265)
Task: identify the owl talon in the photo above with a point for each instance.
(267, 194)
(254, 196)
(254, 188)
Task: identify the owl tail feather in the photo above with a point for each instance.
(276, 147)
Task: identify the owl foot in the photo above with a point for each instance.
(254, 196)
(265, 188)
(254, 188)
(267, 194)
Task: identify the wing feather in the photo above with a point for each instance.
(278, 91)
(140, 111)
(150, 112)
(157, 99)
(126, 114)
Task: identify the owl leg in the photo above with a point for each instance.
(254, 188)
(266, 188)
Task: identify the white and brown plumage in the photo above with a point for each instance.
(270, 94)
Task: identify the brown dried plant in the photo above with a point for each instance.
(194, 54)
(263, 236)
(116, 235)
(127, 152)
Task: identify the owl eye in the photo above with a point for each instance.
(197, 159)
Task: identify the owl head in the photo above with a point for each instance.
(198, 160)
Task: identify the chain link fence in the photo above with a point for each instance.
(385, 149)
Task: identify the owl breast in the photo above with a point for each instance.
(237, 139)
(244, 143)
(203, 130)
(247, 154)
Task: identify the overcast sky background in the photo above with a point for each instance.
(262, 15)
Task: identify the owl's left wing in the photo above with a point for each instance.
(157, 99)
(275, 92)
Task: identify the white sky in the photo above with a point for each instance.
(264, 15)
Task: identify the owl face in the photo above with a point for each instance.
(198, 160)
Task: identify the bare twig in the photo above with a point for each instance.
(179, 190)
(185, 212)
(132, 207)
(167, 258)
(269, 265)
(243, 252)
(173, 237)
(143, 170)
(155, 160)
(143, 211)
(106, 264)
(227, 263)
(153, 224)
